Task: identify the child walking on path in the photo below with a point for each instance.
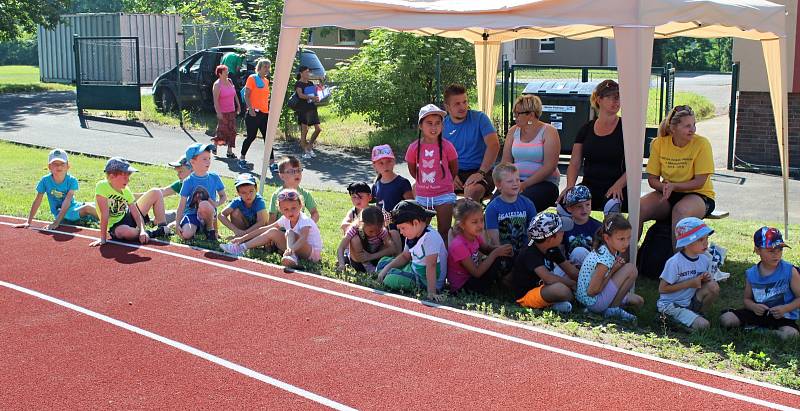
(424, 248)
(295, 235)
(466, 270)
(605, 278)
(686, 286)
(248, 212)
(198, 205)
(60, 188)
(365, 242)
(771, 289)
(433, 162)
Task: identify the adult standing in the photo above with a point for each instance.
(256, 95)
(476, 143)
(679, 170)
(599, 149)
(307, 115)
(226, 105)
(533, 146)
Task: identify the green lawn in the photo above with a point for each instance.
(751, 354)
(19, 79)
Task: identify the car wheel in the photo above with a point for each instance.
(165, 101)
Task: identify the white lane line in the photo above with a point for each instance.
(183, 347)
(468, 313)
(467, 327)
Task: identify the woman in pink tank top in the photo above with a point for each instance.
(226, 105)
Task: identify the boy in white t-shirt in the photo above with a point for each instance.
(687, 287)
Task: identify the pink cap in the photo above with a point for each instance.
(381, 152)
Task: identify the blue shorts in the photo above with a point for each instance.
(431, 202)
(192, 219)
(73, 215)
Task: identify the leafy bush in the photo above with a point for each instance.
(395, 74)
(19, 52)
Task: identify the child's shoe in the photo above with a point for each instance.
(211, 235)
(161, 231)
(289, 261)
(233, 249)
(562, 307)
(616, 312)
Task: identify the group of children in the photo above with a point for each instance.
(545, 260)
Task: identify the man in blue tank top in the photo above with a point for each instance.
(476, 142)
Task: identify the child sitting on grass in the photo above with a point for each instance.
(361, 196)
(198, 205)
(60, 188)
(533, 281)
(365, 242)
(295, 235)
(155, 196)
(119, 216)
(771, 289)
(248, 212)
(424, 248)
(465, 269)
(578, 202)
(290, 172)
(605, 278)
(686, 285)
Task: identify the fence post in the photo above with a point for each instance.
(76, 50)
(584, 74)
(732, 112)
(178, 84)
(506, 71)
(438, 78)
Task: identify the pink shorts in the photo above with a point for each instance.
(316, 255)
(606, 296)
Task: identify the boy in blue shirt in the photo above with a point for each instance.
(771, 289)
(247, 212)
(60, 188)
(202, 192)
(580, 228)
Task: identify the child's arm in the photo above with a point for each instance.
(224, 218)
(493, 237)
(37, 201)
(261, 220)
(397, 262)
(430, 276)
(412, 168)
(273, 217)
(301, 240)
(223, 198)
(494, 252)
(453, 166)
(780, 310)
(314, 214)
(179, 215)
(340, 253)
(137, 216)
(599, 280)
(750, 303)
(665, 288)
(102, 207)
(549, 278)
(408, 195)
(62, 211)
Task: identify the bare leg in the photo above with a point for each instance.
(729, 320)
(398, 243)
(303, 136)
(317, 130)
(652, 208)
(237, 218)
(154, 199)
(625, 278)
(125, 232)
(273, 236)
(689, 206)
(444, 219)
(88, 209)
(787, 332)
(707, 294)
(206, 213)
(557, 292)
(188, 231)
(475, 192)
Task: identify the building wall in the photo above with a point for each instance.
(591, 52)
(329, 48)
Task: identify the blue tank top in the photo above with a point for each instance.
(774, 289)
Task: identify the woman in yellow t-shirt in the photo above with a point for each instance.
(679, 170)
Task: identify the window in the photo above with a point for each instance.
(347, 37)
(547, 45)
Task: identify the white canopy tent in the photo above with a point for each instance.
(632, 23)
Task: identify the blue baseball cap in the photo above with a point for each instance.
(119, 164)
(196, 149)
(768, 237)
(689, 230)
(577, 194)
(243, 179)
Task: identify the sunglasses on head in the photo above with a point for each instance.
(292, 171)
(288, 195)
(683, 108)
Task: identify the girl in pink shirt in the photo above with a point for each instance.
(433, 162)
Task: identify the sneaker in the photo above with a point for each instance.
(211, 235)
(562, 307)
(243, 164)
(617, 312)
(233, 249)
(289, 261)
(312, 153)
(274, 168)
(161, 231)
(306, 155)
(613, 206)
(370, 268)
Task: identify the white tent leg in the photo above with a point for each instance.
(634, 57)
(777, 74)
(287, 48)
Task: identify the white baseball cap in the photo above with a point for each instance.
(428, 110)
(57, 155)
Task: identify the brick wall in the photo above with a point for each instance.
(755, 134)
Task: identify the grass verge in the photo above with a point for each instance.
(756, 355)
(25, 79)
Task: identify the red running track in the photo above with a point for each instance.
(344, 343)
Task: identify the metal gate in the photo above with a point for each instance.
(107, 74)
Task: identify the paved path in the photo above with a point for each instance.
(50, 120)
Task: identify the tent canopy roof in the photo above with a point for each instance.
(575, 19)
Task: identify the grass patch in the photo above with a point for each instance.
(25, 79)
(752, 354)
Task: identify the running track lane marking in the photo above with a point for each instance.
(455, 324)
(467, 313)
(183, 347)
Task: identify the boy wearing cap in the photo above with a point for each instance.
(578, 203)
(686, 286)
(360, 196)
(60, 188)
(424, 248)
(771, 289)
(532, 279)
(119, 216)
(247, 212)
(198, 205)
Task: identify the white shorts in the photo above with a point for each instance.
(679, 314)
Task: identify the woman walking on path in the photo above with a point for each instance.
(256, 96)
(307, 115)
(226, 105)
(600, 151)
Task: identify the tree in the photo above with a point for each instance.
(688, 53)
(23, 16)
(395, 74)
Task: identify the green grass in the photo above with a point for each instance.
(22, 79)
(751, 354)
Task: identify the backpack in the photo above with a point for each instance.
(259, 83)
(655, 250)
